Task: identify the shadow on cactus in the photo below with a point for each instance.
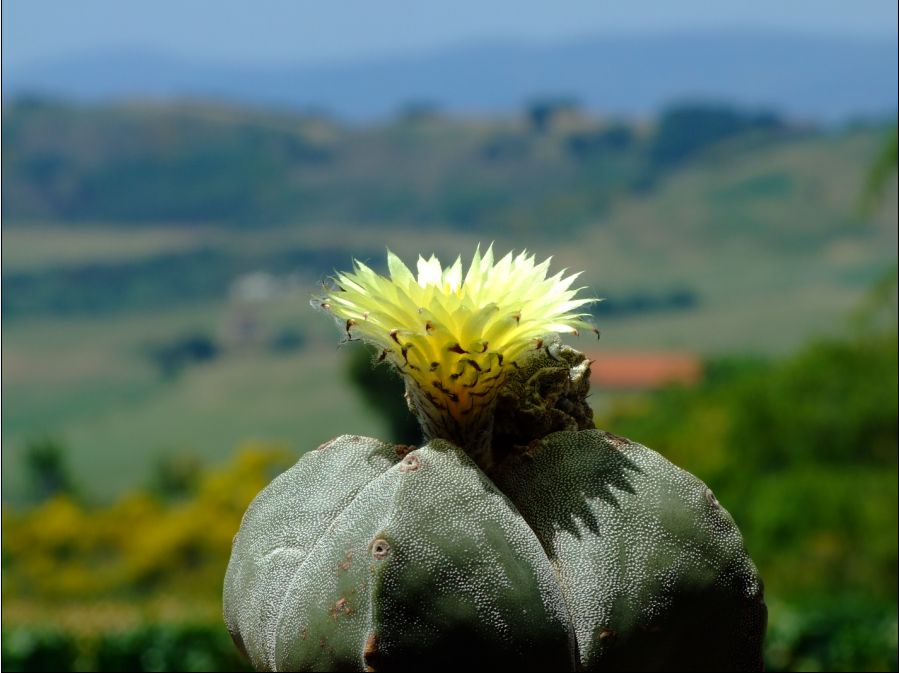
(517, 536)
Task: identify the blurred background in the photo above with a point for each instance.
(178, 178)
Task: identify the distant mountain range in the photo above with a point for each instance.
(819, 78)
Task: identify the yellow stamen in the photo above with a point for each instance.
(452, 337)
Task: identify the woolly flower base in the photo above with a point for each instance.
(453, 337)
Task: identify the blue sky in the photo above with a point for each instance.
(302, 32)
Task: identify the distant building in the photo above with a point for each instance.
(644, 370)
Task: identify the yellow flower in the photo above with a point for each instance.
(453, 336)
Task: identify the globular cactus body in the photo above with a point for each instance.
(517, 538)
(654, 570)
(359, 558)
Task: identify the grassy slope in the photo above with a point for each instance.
(86, 382)
(770, 240)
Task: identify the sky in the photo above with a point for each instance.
(302, 32)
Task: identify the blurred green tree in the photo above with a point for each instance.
(384, 392)
(47, 469)
(685, 130)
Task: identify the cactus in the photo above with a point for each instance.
(653, 569)
(366, 554)
(517, 537)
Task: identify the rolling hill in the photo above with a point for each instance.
(625, 74)
(122, 253)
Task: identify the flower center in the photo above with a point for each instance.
(453, 338)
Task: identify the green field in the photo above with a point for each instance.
(766, 237)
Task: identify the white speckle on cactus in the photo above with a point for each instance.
(631, 534)
(415, 555)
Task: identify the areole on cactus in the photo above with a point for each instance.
(517, 537)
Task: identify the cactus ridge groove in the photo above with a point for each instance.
(326, 532)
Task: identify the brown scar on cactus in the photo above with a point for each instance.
(370, 652)
(341, 608)
(605, 633)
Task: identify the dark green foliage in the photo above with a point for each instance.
(202, 165)
(98, 288)
(162, 648)
(842, 398)
(153, 647)
(198, 165)
(596, 144)
(542, 113)
(176, 476)
(383, 390)
(41, 649)
(637, 303)
(684, 131)
(287, 340)
(188, 349)
(152, 282)
(825, 526)
(47, 469)
(833, 633)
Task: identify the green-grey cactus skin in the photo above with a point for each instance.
(654, 571)
(374, 556)
(367, 555)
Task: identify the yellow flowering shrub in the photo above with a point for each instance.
(138, 547)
